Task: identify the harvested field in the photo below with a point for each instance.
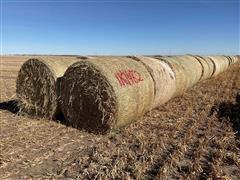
(9, 67)
(193, 136)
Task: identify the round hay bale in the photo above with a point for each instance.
(193, 69)
(187, 71)
(237, 58)
(106, 93)
(38, 84)
(234, 59)
(207, 65)
(163, 77)
(230, 60)
(178, 69)
(221, 64)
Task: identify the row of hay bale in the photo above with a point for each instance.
(104, 92)
(37, 85)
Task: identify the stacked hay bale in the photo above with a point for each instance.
(38, 84)
(180, 74)
(163, 77)
(230, 60)
(208, 67)
(106, 93)
(193, 69)
(233, 59)
(187, 69)
(221, 64)
(101, 93)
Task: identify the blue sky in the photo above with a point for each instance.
(118, 27)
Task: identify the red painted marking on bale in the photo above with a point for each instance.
(128, 77)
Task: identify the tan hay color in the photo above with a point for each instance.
(37, 84)
(193, 69)
(221, 64)
(230, 60)
(187, 69)
(106, 93)
(208, 67)
(181, 80)
(234, 59)
(164, 79)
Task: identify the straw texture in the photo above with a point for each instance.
(187, 70)
(164, 79)
(234, 59)
(106, 93)
(37, 85)
(208, 67)
(221, 64)
(193, 69)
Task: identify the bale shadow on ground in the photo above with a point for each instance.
(14, 106)
(228, 111)
(61, 119)
(11, 106)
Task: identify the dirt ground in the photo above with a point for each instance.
(196, 136)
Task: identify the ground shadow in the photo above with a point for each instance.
(228, 111)
(61, 119)
(12, 106)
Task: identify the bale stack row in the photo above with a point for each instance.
(187, 69)
(103, 93)
(38, 82)
(208, 66)
(163, 77)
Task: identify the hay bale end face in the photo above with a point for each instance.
(106, 93)
(37, 85)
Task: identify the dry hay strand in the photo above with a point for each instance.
(221, 64)
(37, 85)
(163, 77)
(106, 93)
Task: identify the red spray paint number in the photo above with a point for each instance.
(128, 77)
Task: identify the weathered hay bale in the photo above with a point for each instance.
(181, 79)
(193, 69)
(187, 69)
(221, 64)
(37, 84)
(234, 59)
(106, 93)
(230, 60)
(208, 67)
(237, 58)
(164, 79)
